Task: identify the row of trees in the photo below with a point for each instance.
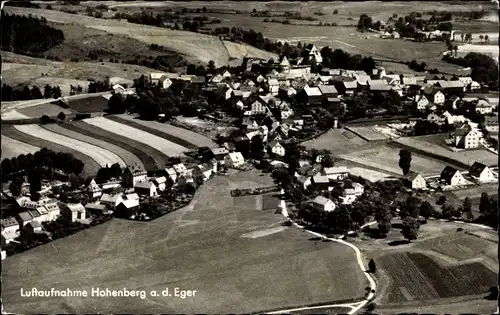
(25, 93)
(65, 162)
(484, 68)
(339, 59)
(28, 35)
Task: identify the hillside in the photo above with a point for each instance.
(193, 46)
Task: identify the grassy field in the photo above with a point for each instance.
(193, 46)
(151, 158)
(199, 247)
(165, 146)
(368, 133)
(43, 109)
(468, 157)
(182, 137)
(102, 156)
(91, 166)
(339, 141)
(89, 105)
(387, 158)
(126, 156)
(13, 148)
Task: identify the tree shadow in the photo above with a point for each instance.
(399, 242)
(493, 294)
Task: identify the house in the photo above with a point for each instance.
(284, 65)
(272, 86)
(286, 91)
(10, 230)
(491, 123)
(127, 208)
(454, 86)
(434, 118)
(234, 160)
(165, 82)
(274, 147)
(24, 218)
(314, 53)
(482, 173)
(133, 174)
(348, 196)
(422, 102)
(43, 214)
(180, 169)
(483, 107)
(311, 95)
(155, 77)
(451, 176)
(76, 211)
(258, 107)
(217, 154)
(33, 227)
(323, 203)
(349, 87)
(328, 91)
(203, 171)
(466, 138)
(53, 211)
(97, 208)
(335, 173)
(94, 190)
(171, 174)
(358, 189)
(147, 189)
(415, 181)
(185, 179)
(111, 201)
(304, 181)
(160, 183)
(434, 95)
(392, 79)
(453, 102)
(321, 182)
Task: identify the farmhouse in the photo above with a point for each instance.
(274, 147)
(434, 95)
(180, 169)
(24, 218)
(349, 87)
(415, 181)
(466, 138)
(328, 91)
(97, 208)
(311, 95)
(134, 174)
(481, 172)
(314, 53)
(53, 211)
(321, 182)
(147, 189)
(217, 153)
(203, 172)
(323, 203)
(348, 196)
(305, 181)
(76, 211)
(165, 82)
(336, 173)
(160, 182)
(185, 179)
(127, 208)
(451, 176)
(234, 160)
(422, 102)
(171, 174)
(286, 91)
(33, 227)
(111, 201)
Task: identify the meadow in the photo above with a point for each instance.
(200, 247)
(13, 148)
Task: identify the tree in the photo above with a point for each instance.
(36, 93)
(15, 190)
(327, 160)
(462, 35)
(364, 22)
(410, 228)
(211, 65)
(481, 38)
(425, 209)
(447, 211)
(335, 11)
(257, 147)
(63, 196)
(116, 105)
(372, 267)
(484, 203)
(384, 218)
(486, 39)
(405, 161)
(410, 208)
(45, 119)
(467, 208)
(61, 116)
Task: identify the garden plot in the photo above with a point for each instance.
(177, 135)
(386, 158)
(128, 158)
(164, 146)
(13, 148)
(415, 276)
(101, 156)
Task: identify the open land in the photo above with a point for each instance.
(43, 109)
(208, 255)
(150, 157)
(182, 137)
(126, 156)
(163, 145)
(91, 167)
(13, 148)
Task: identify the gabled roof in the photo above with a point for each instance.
(320, 179)
(273, 82)
(448, 172)
(450, 84)
(312, 91)
(130, 203)
(25, 216)
(328, 89)
(350, 84)
(320, 200)
(144, 185)
(35, 224)
(409, 81)
(284, 62)
(75, 207)
(430, 90)
(362, 79)
(160, 180)
(110, 198)
(136, 169)
(476, 169)
(8, 222)
(412, 176)
(219, 151)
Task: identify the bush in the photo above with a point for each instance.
(441, 200)
(45, 119)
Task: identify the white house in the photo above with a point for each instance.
(358, 189)
(434, 95)
(323, 203)
(483, 107)
(53, 210)
(203, 171)
(451, 176)
(348, 196)
(134, 174)
(336, 173)
(10, 230)
(111, 201)
(314, 53)
(234, 159)
(466, 138)
(94, 190)
(171, 174)
(180, 169)
(76, 211)
(482, 173)
(147, 189)
(273, 86)
(416, 181)
(275, 147)
(422, 102)
(165, 82)
(160, 183)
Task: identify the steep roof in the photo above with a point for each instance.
(136, 169)
(448, 172)
(412, 175)
(284, 62)
(476, 169)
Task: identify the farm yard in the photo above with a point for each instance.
(151, 158)
(461, 159)
(126, 156)
(166, 147)
(91, 166)
(204, 247)
(180, 136)
(13, 148)
(386, 158)
(102, 156)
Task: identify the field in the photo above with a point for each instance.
(428, 147)
(461, 246)
(368, 133)
(91, 166)
(89, 104)
(101, 156)
(13, 148)
(166, 147)
(126, 156)
(183, 137)
(386, 158)
(38, 111)
(151, 158)
(194, 46)
(338, 141)
(200, 247)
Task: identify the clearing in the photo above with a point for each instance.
(208, 255)
(13, 148)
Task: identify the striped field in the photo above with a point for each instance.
(13, 148)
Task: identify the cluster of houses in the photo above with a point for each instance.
(452, 178)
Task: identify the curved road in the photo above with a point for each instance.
(355, 307)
